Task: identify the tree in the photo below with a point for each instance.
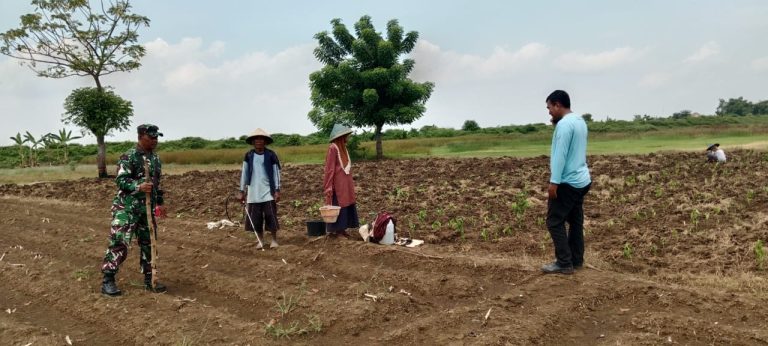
(63, 138)
(760, 108)
(64, 38)
(470, 125)
(363, 82)
(738, 106)
(587, 117)
(681, 114)
(99, 112)
(50, 144)
(20, 143)
(34, 144)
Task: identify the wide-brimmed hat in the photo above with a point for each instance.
(338, 131)
(259, 133)
(709, 147)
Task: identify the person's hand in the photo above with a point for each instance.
(241, 196)
(552, 191)
(277, 196)
(328, 199)
(145, 187)
(160, 211)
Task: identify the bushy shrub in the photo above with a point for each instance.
(470, 126)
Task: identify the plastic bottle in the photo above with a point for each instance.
(389, 235)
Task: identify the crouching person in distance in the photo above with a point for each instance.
(260, 186)
(129, 214)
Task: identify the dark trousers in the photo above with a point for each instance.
(567, 207)
(263, 215)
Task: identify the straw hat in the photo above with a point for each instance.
(713, 145)
(259, 133)
(338, 131)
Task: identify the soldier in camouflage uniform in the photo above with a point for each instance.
(129, 213)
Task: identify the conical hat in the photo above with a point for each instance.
(259, 133)
(338, 131)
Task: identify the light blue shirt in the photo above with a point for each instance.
(568, 160)
(258, 191)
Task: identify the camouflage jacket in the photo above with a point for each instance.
(130, 174)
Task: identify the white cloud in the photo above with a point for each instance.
(705, 52)
(653, 80)
(435, 64)
(186, 75)
(185, 87)
(581, 62)
(760, 64)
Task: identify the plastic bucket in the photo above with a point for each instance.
(315, 228)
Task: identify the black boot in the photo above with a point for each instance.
(159, 288)
(108, 285)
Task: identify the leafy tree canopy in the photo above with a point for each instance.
(99, 112)
(65, 38)
(363, 82)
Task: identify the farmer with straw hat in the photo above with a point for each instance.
(129, 209)
(338, 186)
(260, 186)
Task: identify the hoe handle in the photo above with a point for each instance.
(151, 225)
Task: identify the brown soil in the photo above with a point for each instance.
(670, 247)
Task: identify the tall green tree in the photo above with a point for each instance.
(64, 38)
(364, 82)
(760, 108)
(99, 112)
(63, 138)
(738, 106)
(19, 141)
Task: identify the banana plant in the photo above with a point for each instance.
(63, 138)
(50, 144)
(20, 143)
(34, 144)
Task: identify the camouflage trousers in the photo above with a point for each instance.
(126, 224)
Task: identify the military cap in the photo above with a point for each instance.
(149, 130)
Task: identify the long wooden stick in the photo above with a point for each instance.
(150, 224)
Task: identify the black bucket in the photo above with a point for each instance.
(315, 228)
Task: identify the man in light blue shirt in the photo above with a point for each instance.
(569, 182)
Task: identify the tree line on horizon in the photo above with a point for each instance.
(52, 151)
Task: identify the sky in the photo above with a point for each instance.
(221, 69)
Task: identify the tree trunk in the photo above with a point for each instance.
(98, 84)
(101, 157)
(379, 149)
(21, 156)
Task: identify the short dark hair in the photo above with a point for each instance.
(561, 97)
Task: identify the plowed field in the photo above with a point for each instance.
(672, 258)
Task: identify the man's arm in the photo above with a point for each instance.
(241, 193)
(124, 178)
(276, 169)
(560, 146)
